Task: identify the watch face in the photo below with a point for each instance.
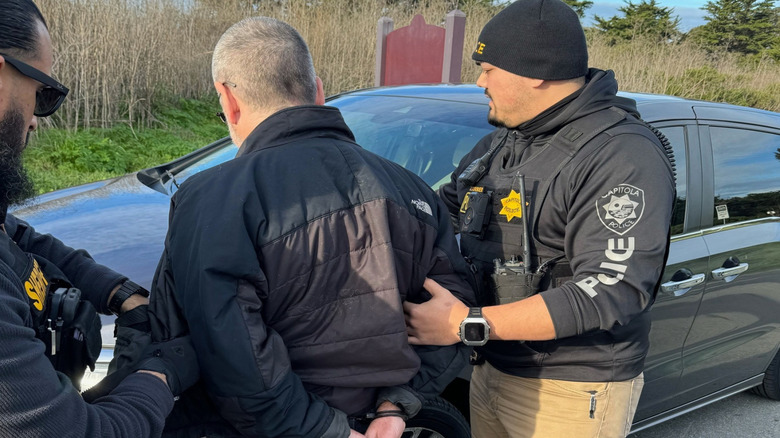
(474, 332)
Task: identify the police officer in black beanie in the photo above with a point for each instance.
(575, 191)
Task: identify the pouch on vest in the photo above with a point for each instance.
(511, 282)
(71, 332)
(475, 213)
(510, 285)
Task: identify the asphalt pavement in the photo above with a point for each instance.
(744, 415)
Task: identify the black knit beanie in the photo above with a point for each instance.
(540, 39)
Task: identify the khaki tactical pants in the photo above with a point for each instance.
(518, 407)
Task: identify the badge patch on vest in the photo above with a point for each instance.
(512, 206)
(621, 208)
(36, 286)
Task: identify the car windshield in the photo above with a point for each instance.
(426, 136)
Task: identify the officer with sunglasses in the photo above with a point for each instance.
(41, 277)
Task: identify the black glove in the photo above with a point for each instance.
(131, 330)
(136, 318)
(176, 359)
(132, 333)
(134, 350)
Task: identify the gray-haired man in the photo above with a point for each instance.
(289, 264)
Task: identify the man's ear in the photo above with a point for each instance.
(320, 99)
(231, 106)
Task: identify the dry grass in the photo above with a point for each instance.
(122, 57)
(686, 70)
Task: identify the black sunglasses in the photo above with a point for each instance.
(47, 99)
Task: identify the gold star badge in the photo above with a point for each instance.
(512, 206)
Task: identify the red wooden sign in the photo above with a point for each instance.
(415, 54)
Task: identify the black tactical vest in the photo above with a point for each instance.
(501, 240)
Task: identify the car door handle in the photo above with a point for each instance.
(725, 273)
(680, 288)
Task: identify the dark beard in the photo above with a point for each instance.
(495, 122)
(15, 184)
(492, 120)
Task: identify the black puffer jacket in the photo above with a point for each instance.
(289, 265)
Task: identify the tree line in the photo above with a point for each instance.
(745, 27)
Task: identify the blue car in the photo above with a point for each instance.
(716, 321)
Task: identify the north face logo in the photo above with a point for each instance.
(422, 206)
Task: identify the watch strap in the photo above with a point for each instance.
(125, 291)
(475, 312)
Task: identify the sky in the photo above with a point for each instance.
(688, 10)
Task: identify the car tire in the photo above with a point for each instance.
(770, 387)
(438, 418)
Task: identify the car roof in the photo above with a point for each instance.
(652, 107)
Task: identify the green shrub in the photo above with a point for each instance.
(57, 158)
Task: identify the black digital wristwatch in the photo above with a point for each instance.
(124, 292)
(474, 330)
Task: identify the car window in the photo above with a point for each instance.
(426, 136)
(747, 174)
(676, 137)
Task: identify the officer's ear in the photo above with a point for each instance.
(320, 99)
(535, 83)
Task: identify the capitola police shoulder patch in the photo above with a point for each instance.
(621, 208)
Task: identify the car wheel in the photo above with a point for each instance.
(438, 418)
(770, 387)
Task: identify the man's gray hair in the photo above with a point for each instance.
(268, 61)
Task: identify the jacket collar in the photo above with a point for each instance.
(295, 123)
